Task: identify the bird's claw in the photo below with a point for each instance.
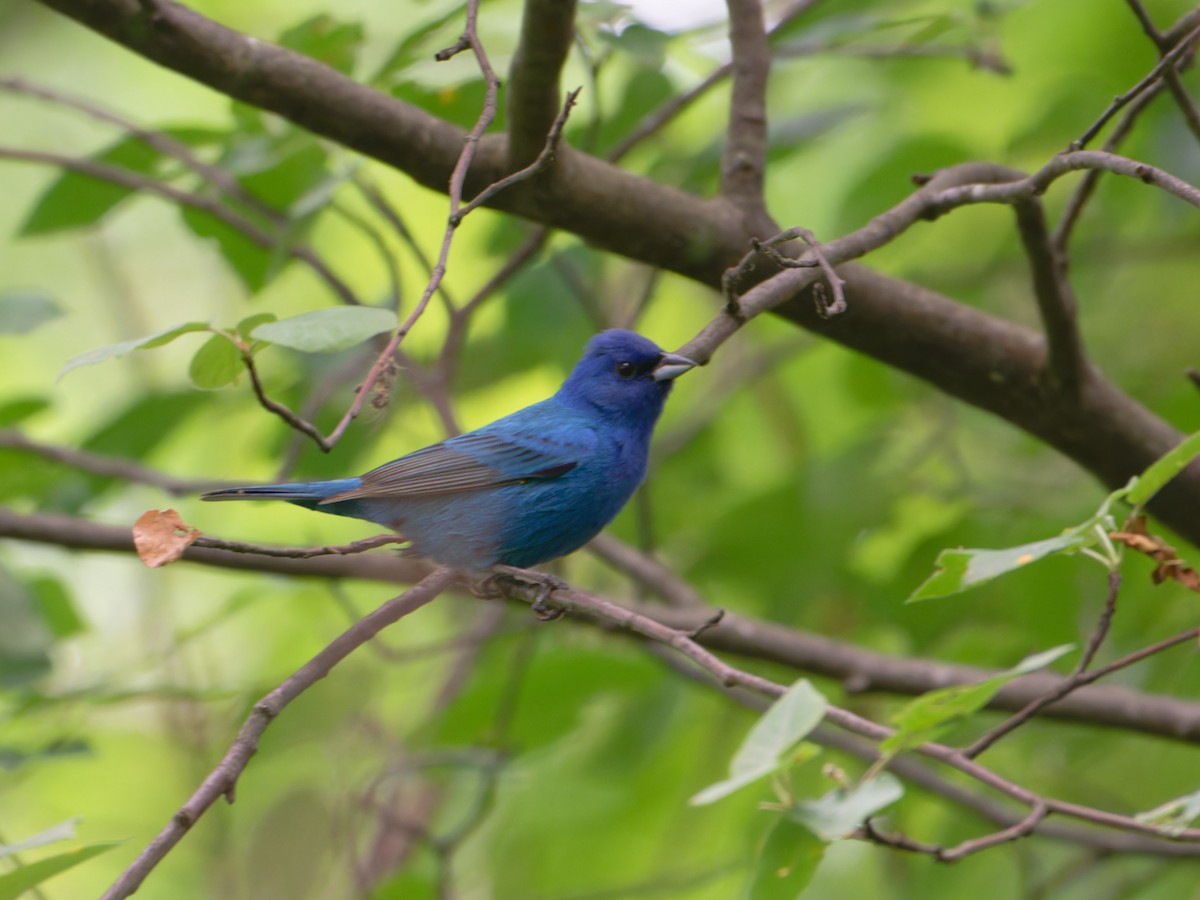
(545, 584)
(543, 610)
(489, 588)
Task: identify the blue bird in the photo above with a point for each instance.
(527, 488)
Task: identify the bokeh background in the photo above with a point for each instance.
(793, 480)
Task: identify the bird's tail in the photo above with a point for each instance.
(311, 491)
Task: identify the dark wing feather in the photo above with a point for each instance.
(458, 465)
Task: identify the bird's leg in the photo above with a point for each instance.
(545, 584)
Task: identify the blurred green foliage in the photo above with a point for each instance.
(794, 480)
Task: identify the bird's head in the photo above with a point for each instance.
(623, 374)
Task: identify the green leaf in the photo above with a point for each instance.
(76, 200)
(958, 570)
(410, 49)
(297, 165)
(129, 433)
(217, 363)
(63, 831)
(1156, 477)
(248, 324)
(766, 747)
(786, 863)
(54, 602)
(248, 260)
(13, 884)
(1174, 816)
(23, 311)
(100, 354)
(839, 812)
(278, 170)
(25, 640)
(326, 40)
(22, 408)
(247, 119)
(931, 714)
(319, 195)
(149, 419)
(645, 44)
(457, 103)
(328, 330)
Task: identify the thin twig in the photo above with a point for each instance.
(293, 420)
(1074, 682)
(1021, 829)
(655, 121)
(1087, 185)
(1105, 622)
(825, 308)
(924, 776)
(222, 781)
(1167, 60)
(375, 197)
(858, 669)
(135, 181)
(950, 189)
(646, 571)
(543, 161)
(110, 466)
(158, 140)
(457, 178)
(567, 599)
(330, 384)
(1147, 23)
(1171, 76)
(360, 546)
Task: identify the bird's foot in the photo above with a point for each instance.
(544, 583)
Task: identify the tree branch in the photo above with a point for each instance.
(926, 777)
(576, 601)
(985, 361)
(857, 669)
(1056, 301)
(990, 363)
(743, 165)
(534, 95)
(865, 671)
(76, 534)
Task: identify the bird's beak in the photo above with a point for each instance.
(671, 365)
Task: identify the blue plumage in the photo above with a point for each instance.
(527, 488)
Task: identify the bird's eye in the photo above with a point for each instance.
(626, 369)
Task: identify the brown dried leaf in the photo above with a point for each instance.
(1170, 567)
(160, 537)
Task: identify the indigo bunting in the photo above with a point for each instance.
(527, 488)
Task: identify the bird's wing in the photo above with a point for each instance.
(469, 462)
